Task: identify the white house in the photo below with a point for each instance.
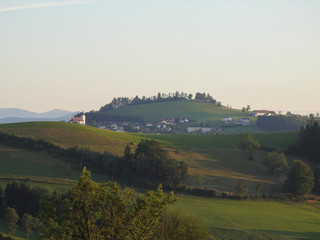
(245, 121)
(199, 129)
(227, 119)
(258, 113)
(80, 120)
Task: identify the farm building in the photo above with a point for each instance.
(81, 120)
(258, 113)
(199, 129)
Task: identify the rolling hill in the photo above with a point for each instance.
(214, 160)
(198, 110)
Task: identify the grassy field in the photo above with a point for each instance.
(197, 110)
(214, 160)
(232, 219)
(279, 140)
(67, 135)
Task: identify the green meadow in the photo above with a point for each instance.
(197, 110)
(233, 219)
(214, 162)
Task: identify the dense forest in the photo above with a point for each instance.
(308, 145)
(281, 122)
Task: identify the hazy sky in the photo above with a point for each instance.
(78, 55)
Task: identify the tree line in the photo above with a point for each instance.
(160, 97)
(104, 211)
(93, 210)
(301, 179)
(281, 122)
(19, 204)
(308, 144)
(147, 167)
(101, 117)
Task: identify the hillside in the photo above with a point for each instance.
(198, 110)
(214, 160)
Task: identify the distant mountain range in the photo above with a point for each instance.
(14, 115)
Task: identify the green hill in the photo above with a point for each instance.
(200, 111)
(214, 160)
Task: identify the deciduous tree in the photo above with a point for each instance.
(103, 211)
(299, 179)
(276, 163)
(241, 189)
(247, 142)
(11, 220)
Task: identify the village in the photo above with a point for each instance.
(171, 125)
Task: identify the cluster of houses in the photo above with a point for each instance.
(246, 121)
(166, 125)
(241, 121)
(205, 130)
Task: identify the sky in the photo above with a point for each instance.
(79, 55)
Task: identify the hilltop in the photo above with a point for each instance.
(169, 115)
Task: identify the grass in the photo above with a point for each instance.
(281, 220)
(279, 140)
(38, 168)
(197, 110)
(214, 160)
(68, 135)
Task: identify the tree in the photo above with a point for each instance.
(103, 211)
(276, 163)
(248, 108)
(2, 203)
(178, 225)
(153, 166)
(248, 143)
(241, 189)
(30, 224)
(258, 187)
(299, 179)
(11, 219)
(316, 174)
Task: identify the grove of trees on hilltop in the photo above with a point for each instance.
(160, 97)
